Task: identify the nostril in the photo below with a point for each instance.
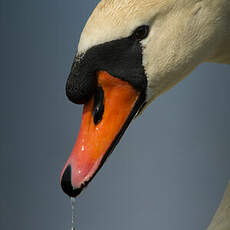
(66, 183)
(98, 109)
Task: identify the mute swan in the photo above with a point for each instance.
(130, 52)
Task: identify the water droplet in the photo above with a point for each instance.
(73, 204)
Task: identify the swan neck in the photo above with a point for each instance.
(222, 50)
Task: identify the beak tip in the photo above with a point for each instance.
(66, 183)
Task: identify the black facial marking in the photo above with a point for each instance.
(120, 58)
(98, 108)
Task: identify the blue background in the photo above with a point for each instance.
(168, 172)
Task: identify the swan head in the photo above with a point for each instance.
(130, 52)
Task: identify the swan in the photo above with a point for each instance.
(129, 53)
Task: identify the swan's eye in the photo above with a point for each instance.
(141, 32)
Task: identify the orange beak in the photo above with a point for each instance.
(105, 118)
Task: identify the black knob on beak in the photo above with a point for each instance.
(81, 82)
(66, 183)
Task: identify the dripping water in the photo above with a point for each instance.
(73, 204)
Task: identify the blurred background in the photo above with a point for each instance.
(170, 169)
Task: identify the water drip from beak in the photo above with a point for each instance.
(73, 204)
